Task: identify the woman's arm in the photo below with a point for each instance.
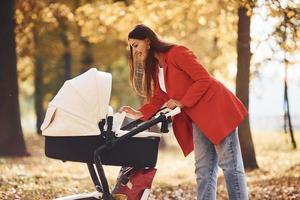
(156, 102)
(184, 59)
(147, 110)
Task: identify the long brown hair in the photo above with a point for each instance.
(142, 32)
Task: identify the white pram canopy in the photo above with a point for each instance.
(79, 105)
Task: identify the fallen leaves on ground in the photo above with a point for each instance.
(39, 178)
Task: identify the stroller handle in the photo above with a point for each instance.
(168, 113)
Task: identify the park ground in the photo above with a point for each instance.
(39, 178)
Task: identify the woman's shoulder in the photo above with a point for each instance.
(177, 49)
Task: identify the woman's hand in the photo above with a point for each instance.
(172, 103)
(130, 112)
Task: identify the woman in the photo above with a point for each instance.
(173, 76)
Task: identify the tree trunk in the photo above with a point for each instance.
(11, 135)
(38, 84)
(242, 86)
(288, 127)
(87, 56)
(38, 94)
(67, 57)
(287, 115)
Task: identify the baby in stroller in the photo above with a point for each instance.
(80, 126)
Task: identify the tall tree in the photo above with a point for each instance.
(11, 135)
(287, 35)
(67, 56)
(242, 86)
(38, 83)
(87, 58)
(288, 127)
(287, 115)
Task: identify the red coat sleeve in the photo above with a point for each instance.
(185, 60)
(156, 102)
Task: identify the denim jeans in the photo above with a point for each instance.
(228, 156)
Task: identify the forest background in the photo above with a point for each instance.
(250, 46)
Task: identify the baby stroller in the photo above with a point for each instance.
(80, 126)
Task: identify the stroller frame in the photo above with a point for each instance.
(96, 169)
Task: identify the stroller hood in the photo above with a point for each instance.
(79, 105)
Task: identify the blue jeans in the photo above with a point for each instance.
(228, 156)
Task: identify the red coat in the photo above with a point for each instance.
(207, 102)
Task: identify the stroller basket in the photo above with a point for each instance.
(135, 151)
